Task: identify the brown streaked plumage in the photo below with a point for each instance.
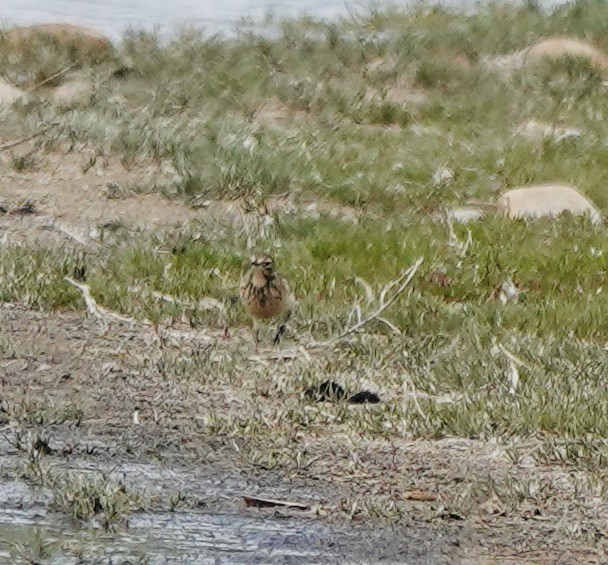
(265, 293)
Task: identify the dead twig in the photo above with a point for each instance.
(160, 333)
(205, 303)
(99, 312)
(66, 230)
(453, 241)
(52, 77)
(36, 134)
(420, 496)
(256, 502)
(513, 374)
(407, 385)
(403, 281)
(511, 356)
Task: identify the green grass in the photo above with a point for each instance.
(560, 268)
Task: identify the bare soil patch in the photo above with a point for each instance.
(139, 397)
(85, 198)
(275, 113)
(80, 194)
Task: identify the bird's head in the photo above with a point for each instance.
(263, 262)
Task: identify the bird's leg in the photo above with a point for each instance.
(282, 328)
(280, 332)
(256, 331)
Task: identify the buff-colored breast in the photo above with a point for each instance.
(266, 295)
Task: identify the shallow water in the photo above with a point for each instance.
(27, 521)
(30, 531)
(181, 537)
(214, 527)
(114, 16)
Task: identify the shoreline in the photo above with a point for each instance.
(209, 23)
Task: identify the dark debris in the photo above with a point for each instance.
(330, 391)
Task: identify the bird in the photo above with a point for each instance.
(266, 294)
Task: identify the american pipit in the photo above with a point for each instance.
(266, 294)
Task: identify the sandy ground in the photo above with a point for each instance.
(67, 363)
(63, 362)
(85, 199)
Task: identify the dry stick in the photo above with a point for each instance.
(453, 238)
(105, 315)
(98, 311)
(206, 303)
(409, 275)
(52, 77)
(47, 128)
(29, 138)
(414, 397)
(511, 356)
(70, 233)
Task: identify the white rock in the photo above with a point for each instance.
(443, 176)
(508, 292)
(464, 215)
(547, 49)
(556, 47)
(548, 200)
(536, 131)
